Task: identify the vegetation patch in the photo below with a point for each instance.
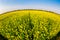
(29, 25)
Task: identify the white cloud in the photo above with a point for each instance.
(41, 7)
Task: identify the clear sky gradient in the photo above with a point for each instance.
(51, 5)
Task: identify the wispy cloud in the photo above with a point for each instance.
(42, 5)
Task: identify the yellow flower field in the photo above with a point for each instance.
(29, 25)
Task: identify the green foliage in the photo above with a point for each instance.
(30, 26)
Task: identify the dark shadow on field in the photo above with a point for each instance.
(57, 37)
(2, 37)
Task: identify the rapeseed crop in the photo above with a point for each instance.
(29, 25)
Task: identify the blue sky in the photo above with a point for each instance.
(28, 2)
(52, 5)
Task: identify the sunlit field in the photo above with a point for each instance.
(29, 25)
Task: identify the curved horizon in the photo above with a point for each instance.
(29, 10)
(49, 5)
